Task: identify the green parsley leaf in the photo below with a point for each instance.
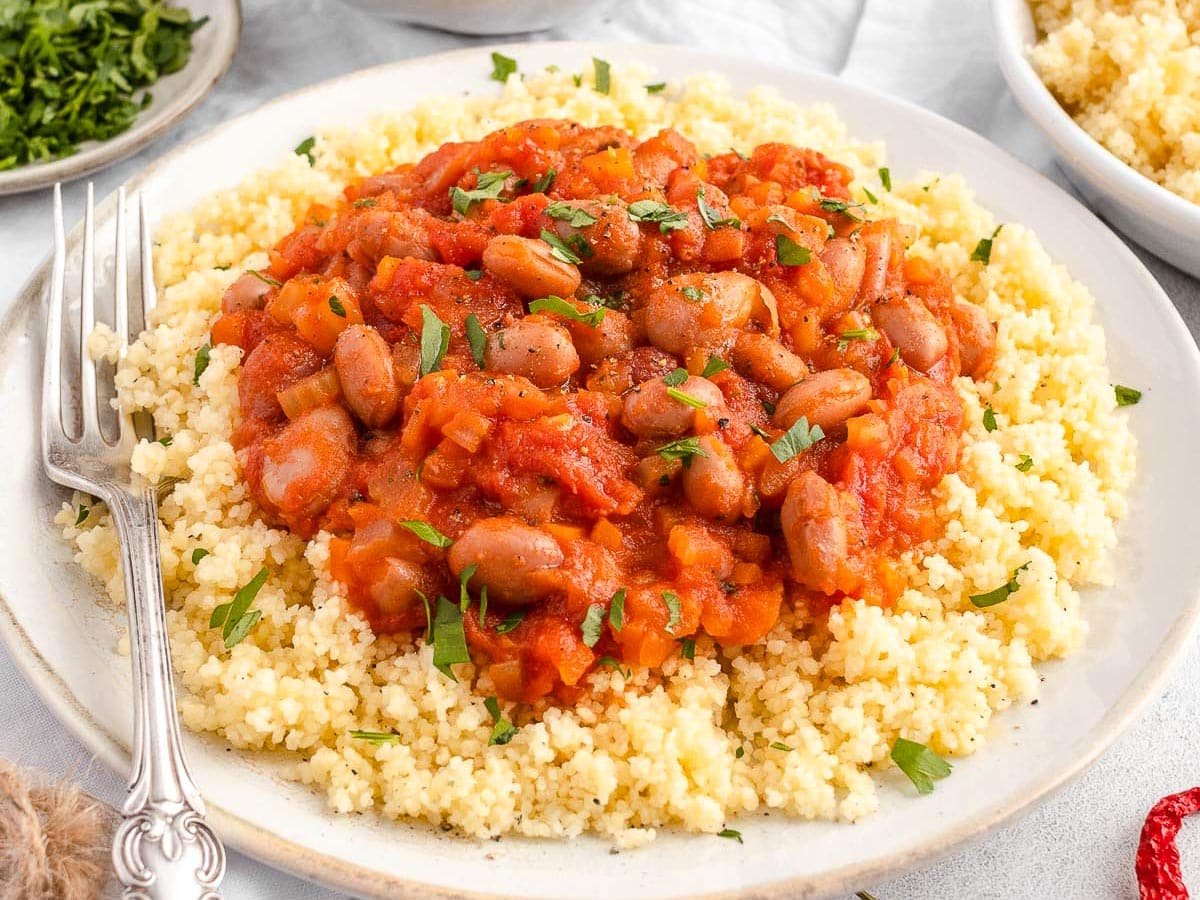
(610, 662)
(203, 357)
(464, 595)
(513, 619)
(578, 79)
(983, 250)
(561, 307)
(989, 419)
(1126, 396)
(673, 608)
(219, 614)
(449, 641)
(426, 532)
(305, 148)
(81, 516)
(686, 399)
(675, 377)
(796, 439)
(476, 338)
(335, 305)
(435, 340)
(428, 615)
(265, 279)
(668, 219)
(656, 88)
(919, 763)
(198, 554)
(603, 75)
(502, 729)
(829, 204)
(616, 610)
(780, 745)
(870, 196)
(375, 737)
(712, 219)
(687, 648)
(473, 274)
(166, 440)
(684, 448)
(592, 624)
(502, 67)
(236, 618)
(856, 334)
(366, 203)
(790, 253)
(694, 294)
(488, 186)
(713, 366)
(1000, 594)
(1025, 464)
(543, 184)
(739, 752)
(242, 627)
(885, 178)
(559, 250)
(575, 216)
(732, 834)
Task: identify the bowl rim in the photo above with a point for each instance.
(207, 70)
(331, 871)
(1106, 172)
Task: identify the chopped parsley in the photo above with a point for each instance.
(449, 641)
(81, 516)
(656, 88)
(885, 178)
(829, 204)
(375, 737)
(611, 662)
(502, 729)
(476, 338)
(511, 621)
(739, 752)
(673, 609)
(575, 216)
(435, 340)
(712, 219)
(919, 763)
(675, 377)
(198, 554)
(1000, 594)
(265, 279)
(305, 149)
(426, 532)
(473, 274)
(335, 306)
(616, 610)
(166, 440)
(1126, 396)
(603, 75)
(713, 366)
(687, 648)
(796, 439)
(866, 190)
(1025, 464)
(488, 186)
(856, 334)
(236, 618)
(983, 250)
(731, 833)
(543, 184)
(561, 307)
(989, 419)
(780, 745)
(694, 294)
(668, 219)
(366, 203)
(686, 399)
(573, 254)
(790, 253)
(203, 358)
(502, 67)
(592, 625)
(684, 449)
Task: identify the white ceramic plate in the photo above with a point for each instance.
(174, 97)
(1161, 221)
(64, 643)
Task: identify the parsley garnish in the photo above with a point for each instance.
(336, 306)
(1000, 594)
(856, 334)
(476, 338)
(672, 600)
(198, 554)
(166, 440)
(1126, 396)
(235, 619)
(366, 203)
(796, 439)
(603, 75)
(739, 752)
(561, 251)
(1025, 464)
(694, 294)
(575, 216)
(687, 648)
(502, 729)
(732, 834)
(449, 641)
(592, 624)
(81, 516)
(919, 763)
(488, 186)
(780, 745)
(712, 219)
(265, 279)
(983, 250)
(713, 366)
(502, 67)
(375, 737)
(885, 178)
(426, 532)
(656, 88)
(511, 621)
(473, 274)
(616, 610)
(543, 184)
(668, 219)
(684, 448)
(829, 204)
(614, 663)
(561, 307)
(435, 340)
(675, 377)
(685, 398)
(989, 419)
(203, 357)
(305, 148)
(866, 190)
(790, 253)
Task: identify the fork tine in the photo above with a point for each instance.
(126, 435)
(87, 324)
(149, 293)
(52, 424)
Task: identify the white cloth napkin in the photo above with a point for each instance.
(937, 53)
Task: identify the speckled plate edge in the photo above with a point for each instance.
(202, 72)
(335, 872)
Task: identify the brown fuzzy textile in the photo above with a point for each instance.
(54, 839)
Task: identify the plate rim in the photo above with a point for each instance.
(334, 872)
(210, 70)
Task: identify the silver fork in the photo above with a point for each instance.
(163, 847)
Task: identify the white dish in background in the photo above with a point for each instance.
(485, 17)
(1158, 219)
(63, 641)
(175, 95)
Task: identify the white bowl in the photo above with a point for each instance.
(484, 16)
(1161, 221)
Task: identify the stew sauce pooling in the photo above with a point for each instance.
(565, 367)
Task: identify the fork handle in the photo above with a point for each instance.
(163, 847)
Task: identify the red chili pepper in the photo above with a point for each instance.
(1158, 871)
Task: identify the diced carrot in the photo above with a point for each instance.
(606, 534)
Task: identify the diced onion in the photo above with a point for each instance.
(309, 393)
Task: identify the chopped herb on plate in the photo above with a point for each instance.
(919, 763)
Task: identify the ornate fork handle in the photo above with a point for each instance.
(163, 847)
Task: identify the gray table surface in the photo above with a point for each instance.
(1078, 844)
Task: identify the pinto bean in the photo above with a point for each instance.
(976, 338)
(533, 347)
(651, 412)
(845, 261)
(395, 590)
(248, 292)
(698, 309)
(713, 483)
(528, 267)
(877, 246)
(613, 237)
(817, 532)
(766, 360)
(305, 465)
(515, 561)
(367, 374)
(913, 329)
(825, 398)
